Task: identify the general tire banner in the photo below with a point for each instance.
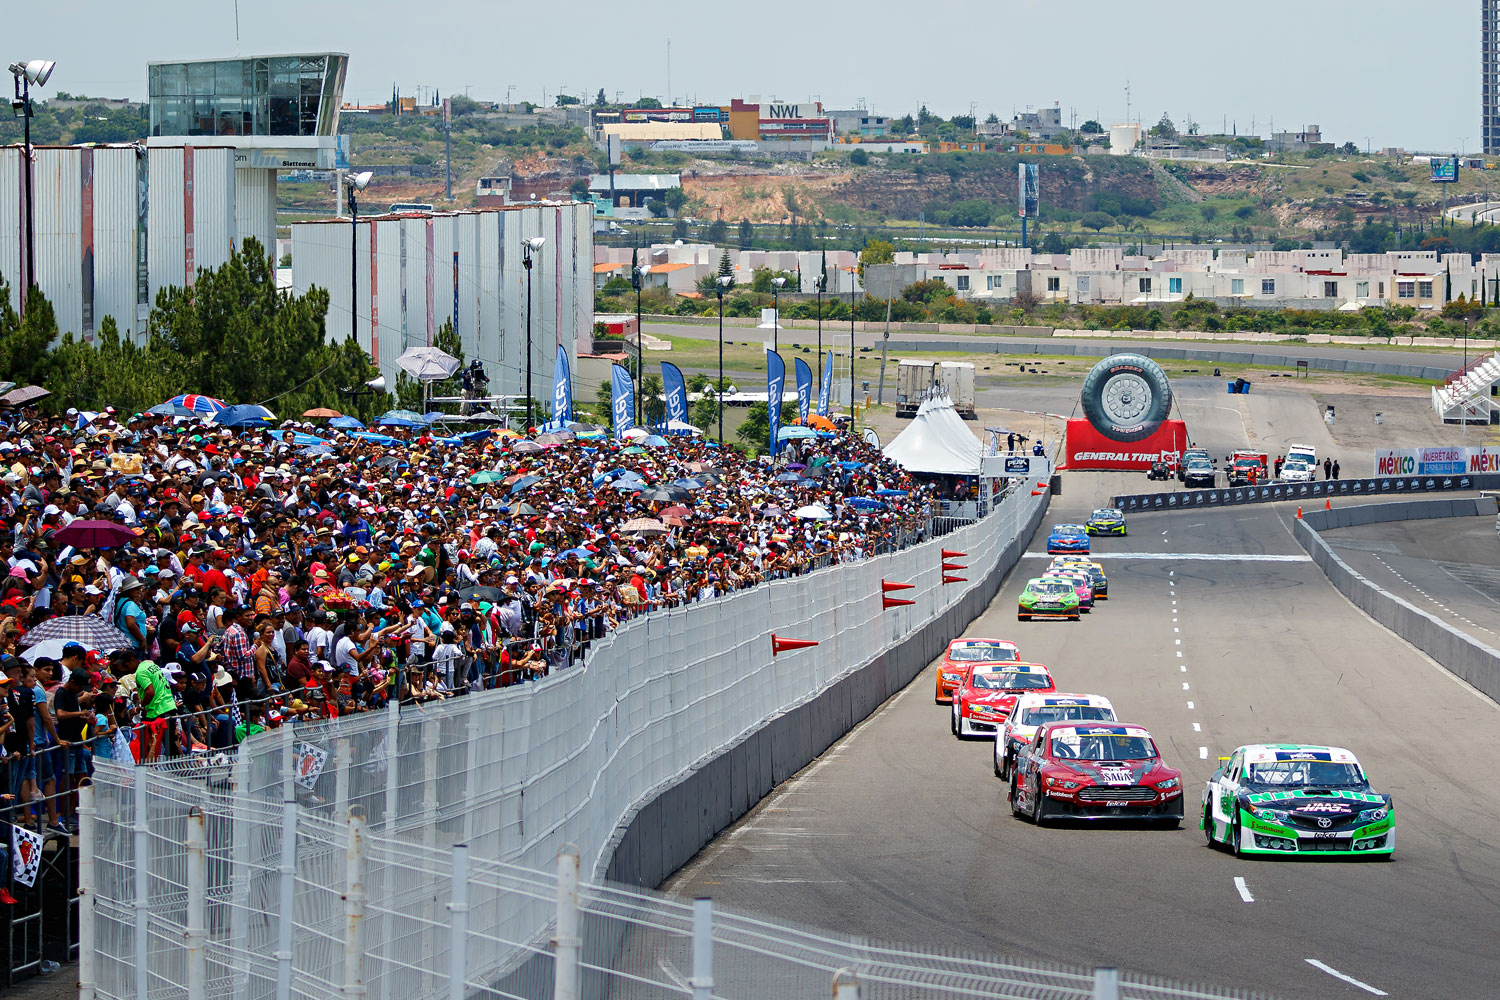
(1088, 449)
(1320, 490)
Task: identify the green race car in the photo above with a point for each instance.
(1106, 521)
(1293, 798)
(1048, 598)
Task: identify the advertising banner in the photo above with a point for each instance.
(804, 388)
(622, 399)
(675, 389)
(1319, 490)
(825, 389)
(1444, 460)
(1088, 449)
(775, 380)
(562, 389)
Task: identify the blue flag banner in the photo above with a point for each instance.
(622, 398)
(826, 389)
(676, 392)
(775, 379)
(562, 389)
(804, 388)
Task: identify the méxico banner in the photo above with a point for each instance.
(676, 392)
(1444, 460)
(1088, 449)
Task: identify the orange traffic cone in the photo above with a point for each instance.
(1299, 512)
(1328, 504)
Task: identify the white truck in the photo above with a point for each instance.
(915, 379)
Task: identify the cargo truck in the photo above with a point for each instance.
(916, 379)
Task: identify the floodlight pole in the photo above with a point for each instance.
(526, 260)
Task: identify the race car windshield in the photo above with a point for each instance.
(1106, 746)
(1107, 515)
(1306, 773)
(1011, 680)
(982, 653)
(1053, 587)
(1043, 714)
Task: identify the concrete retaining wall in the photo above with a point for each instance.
(1465, 656)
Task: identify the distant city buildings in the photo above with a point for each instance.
(1489, 75)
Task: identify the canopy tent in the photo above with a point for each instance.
(936, 441)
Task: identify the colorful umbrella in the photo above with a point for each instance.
(244, 415)
(346, 424)
(94, 535)
(195, 403)
(321, 413)
(89, 631)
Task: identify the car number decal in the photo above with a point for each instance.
(1115, 777)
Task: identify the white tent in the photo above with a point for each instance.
(936, 442)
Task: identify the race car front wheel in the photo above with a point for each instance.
(1234, 842)
(1208, 828)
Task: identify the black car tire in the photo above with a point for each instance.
(1075, 617)
(953, 722)
(1126, 397)
(1015, 799)
(1208, 828)
(1234, 838)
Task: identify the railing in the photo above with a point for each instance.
(513, 774)
(39, 921)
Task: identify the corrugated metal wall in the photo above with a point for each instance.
(215, 235)
(167, 245)
(255, 207)
(116, 239)
(415, 284)
(56, 223)
(10, 220)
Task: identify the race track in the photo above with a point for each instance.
(901, 833)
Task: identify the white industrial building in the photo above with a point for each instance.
(680, 266)
(414, 271)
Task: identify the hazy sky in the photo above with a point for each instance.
(1397, 72)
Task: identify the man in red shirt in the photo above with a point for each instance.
(215, 577)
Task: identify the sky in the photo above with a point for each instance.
(1351, 66)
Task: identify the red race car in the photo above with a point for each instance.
(1073, 770)
(984, 700)
(963, 654)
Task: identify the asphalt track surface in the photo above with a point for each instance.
(900, 832)
(1449, 568)
(709, 330)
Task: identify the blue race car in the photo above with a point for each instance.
(1067, 538)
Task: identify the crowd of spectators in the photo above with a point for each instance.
(287, 573)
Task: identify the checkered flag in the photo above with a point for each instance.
(26, 849)
(235, 717)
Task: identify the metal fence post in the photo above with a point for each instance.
(703, 948)
(393, 758)
(845, 985)
(458, 925)
(341, 755)
(565, 977)
(239, 905)
(288, 897)
(471, 769)
(88, 891)
(142, 860)
(1106, 984)
(197, 904)
(354, 906)
(288, 764)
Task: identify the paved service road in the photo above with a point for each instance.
(1451, 360)
(1448, 567)
(900, 832)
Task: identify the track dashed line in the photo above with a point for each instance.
(1433, 600)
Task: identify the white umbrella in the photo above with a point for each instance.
(631, 433)
(813, 512)
(53, 648)
(428, 364)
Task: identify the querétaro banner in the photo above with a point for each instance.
(1322, 489)
(1088, 449)
(1445, 460)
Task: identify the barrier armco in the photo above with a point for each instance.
(1323, 488)
(1465, 656)
(669, 830)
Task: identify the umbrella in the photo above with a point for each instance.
(93, 535)
(816, 472)
(554, 439)
(890, 493)
(479, 478)
(575, 427)
(675, 512)
(813, 512)
(682, 428)
(526, 510)
(634, 449)
(374, 438)
(244, 415)
(593, 435)
(169, 410)
(524, 447)
(321, 413)
(524, 483)
(387, 462)
(30, 394)
(851, 466)
(661, 495)
(721, 519)
(400, 418)
(789, 477)
(306, 440)
(865, 503)
(317, 449)
(821, 423)
(428, 364)
(89, 631)
(789, 433)
(644, 526)
(796, 465)
(672, 520)
(484, 417)
(192, 402)
(654, 441)
(631, 433)
(492, 594)
(433, 416)
(346, 424)
(688, 484)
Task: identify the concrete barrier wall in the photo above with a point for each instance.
(1465, 656)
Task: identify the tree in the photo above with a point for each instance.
(1164, 129)
(903, 125)
(747, 233)
(964, 122)
(1344, 215)
(657, 208)
(705, 414)
(1096, 221)
(718, 231)
(599, 98)
(1091, 127)
(1053, 243)
(756, 430)
(679, 229)
(24, 341)
(924, 117)
(579, 188)
(726, 268)
(648, 102)
(876, 252)
(676, 198)
(859, 157)
(1209, 212)
(993, 119)
(1349, 149)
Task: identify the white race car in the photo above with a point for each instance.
(1033, 710)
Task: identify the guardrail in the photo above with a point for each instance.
(1321, 489)
(1457, 651)
(674, 726)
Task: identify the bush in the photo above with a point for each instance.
(859, 158)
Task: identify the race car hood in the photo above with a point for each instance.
(1111, 772)
(1318, 803)
(999, 698)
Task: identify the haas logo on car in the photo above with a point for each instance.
(1324, 807)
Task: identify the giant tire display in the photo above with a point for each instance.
(1126, 397)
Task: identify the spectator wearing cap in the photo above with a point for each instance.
(129, 615)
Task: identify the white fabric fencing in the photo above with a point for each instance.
(514, 774)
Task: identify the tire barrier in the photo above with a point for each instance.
(1231, 496)
(1126, 397)
(1458, 652)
